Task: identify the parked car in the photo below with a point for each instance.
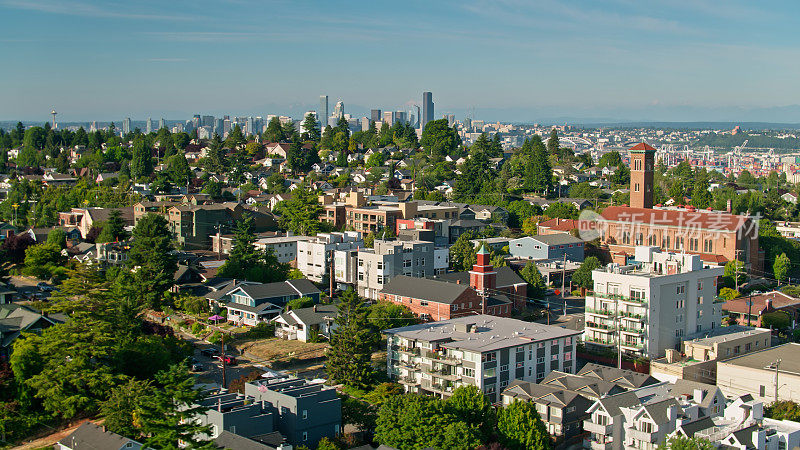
(196, 367)
(44, 286)
(209, 352)
(229, 360)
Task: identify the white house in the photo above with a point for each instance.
(303, 323)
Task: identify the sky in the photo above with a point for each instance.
(508, 60)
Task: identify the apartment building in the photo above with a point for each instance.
(699, 354)
(281, 412)
(646, 417)
(562, 399)
(378, 265)
(284, 247)
(480, 350)
(651, 304)
(314, 255)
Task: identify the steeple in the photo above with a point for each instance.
(642, 161)
(482, 277)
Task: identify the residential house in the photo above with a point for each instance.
(91, 436)
(749, 310)
(252, 304)
(16, 319)
(484, 351)
(304, 324)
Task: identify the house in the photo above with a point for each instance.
(252, 304)
(85, 218)
(749, 310)
(91, 436)
(557, 225)
(506, 282)
(547, 247)
(484, 351)
(303, 324)
(16, 319)
(105, 176)
(7, 293)
(277, 149)
(790, 197)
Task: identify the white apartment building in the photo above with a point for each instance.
(285, 247)
(313, 255)
(387, 259)
(481, 350)
(649, 305)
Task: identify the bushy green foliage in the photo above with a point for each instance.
(246, 262)
(783, 410)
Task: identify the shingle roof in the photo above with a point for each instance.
(433, 290)
(93, 436)
(230, 441)
(301, 287)
(627, 379)
(778, 299)
(505, 277)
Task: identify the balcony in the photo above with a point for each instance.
(411, 381)
(601, 312)
(632, 330)
(598, 341)
(409, 350)
(601, 446)
(619, 297)
(592, 427)
(633, 316)
(441, 357)
(408, 365)
(641, 435)
(632, 345)
(600, 326)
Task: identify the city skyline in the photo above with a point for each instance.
(508, 60)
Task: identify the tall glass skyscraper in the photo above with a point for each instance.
(427, 108)
(322, 113)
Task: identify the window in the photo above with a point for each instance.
(305, 435)
(423, 303)
(380, 265)
(762, 391)
(305, 414)
(540, 359)
(503, 384)
(469, 372)
(504, 368)
(380, 279)
(487, 357)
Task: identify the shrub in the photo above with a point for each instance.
(777, 320)
(215, 337)
(197, 328)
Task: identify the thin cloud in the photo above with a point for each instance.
(72, 8)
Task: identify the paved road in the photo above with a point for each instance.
(574, 305)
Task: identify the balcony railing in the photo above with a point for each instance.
(602, 312)
(592, 427)
(594, 340)
(408, 380)
(600, 326)
(409, 350)
(635, 345)
(631, 315)
(438, 356)
(619, 297)
(633, 330)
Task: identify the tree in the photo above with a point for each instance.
(438, 139)
(562, 211)
(415, 421)
(142, 160)
(728, 293)
(327, 444)
(235, 138)
(385, 315)
(783, 410)
(297, 303)
(311, 131)
(152, 261)
(777, 320)
(780, 267)
(246, 262)
(300, 214)
(123, 408)
(610, 159)
(583, 276)
(538, 172)
(536, 287)
(349, 357)
(734, 273)
(462, 253)
(701, 196)
(552, 142)
(43, 261)
(274, 131)
(115, 226)
(688, 443)
(469, 404)
(520, 427)
(178, 169)
(58, 237)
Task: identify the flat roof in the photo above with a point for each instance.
(789, 354)
(724, 334)
(492, 333)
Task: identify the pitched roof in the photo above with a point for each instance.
(313, 314)
(677, 218)
(642, 146)
(230, 441)
(627, 379)
(557, 224)
(301, 287)
(433, 290)
(94, 436)
(505, 277)
(778, 300)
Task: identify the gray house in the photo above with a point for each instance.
(91, 436)
(547, 246)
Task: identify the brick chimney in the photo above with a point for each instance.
(482, 277)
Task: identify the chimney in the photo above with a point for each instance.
(315, 308)
(767, 305)
(697, 396)
(672, 413)
(729, 206)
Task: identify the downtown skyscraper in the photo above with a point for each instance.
(427, 109)
(322, 113)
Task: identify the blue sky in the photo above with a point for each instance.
(512, 60)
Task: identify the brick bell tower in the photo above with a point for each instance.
(642, 161)
(482, 277)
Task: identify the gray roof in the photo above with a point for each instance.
(433, 290)
(230, 441)
(613, 403)
(627, 379)
(505, 277)
(557, 239)
(301, 287)
(95, 437)
(490, 332)
(526, 390)
(788, 353)
(587, 386)
(316, 314)
(689, 429)
(15, 318)
(658, 410)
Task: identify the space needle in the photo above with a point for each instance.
(53, 112)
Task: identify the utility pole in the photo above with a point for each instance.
(222, 347)
(749, 307)
(563, 281)
(332, 275)
(619, 332)
(736, 274)
(777, 366)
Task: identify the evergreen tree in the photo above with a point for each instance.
(462, 253)
(552, 142)
(152, 260)
(343, 127)
(536, 287)
(246, 262)
(142, 160)
(235, 138)
(539, 174)
(289, 131)
(521, 428)
(300, 214)
(780, 267)
(583, 276)
(349, 357)
(311, 131)
(438, 139)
